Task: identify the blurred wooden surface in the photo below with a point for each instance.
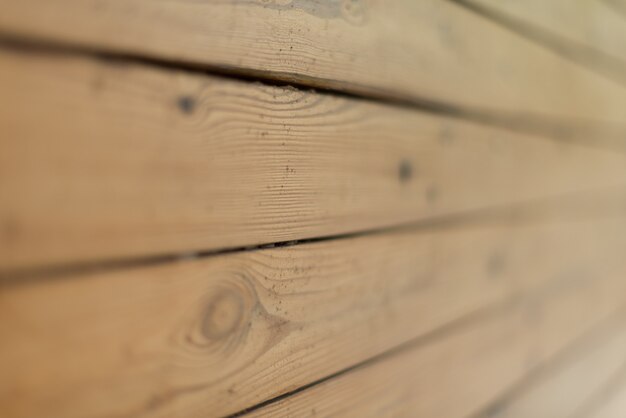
(312, 208)
(128, 161)
(230, 331)
(586, 26)
(431, 51)
(460, 372)
(613, 404)
(575, 383)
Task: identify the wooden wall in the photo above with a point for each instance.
(312, 208)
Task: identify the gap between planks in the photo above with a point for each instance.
(211, 164)
(407, 49)
(409, 284)
(589, 57)
(593, 204)
(524, 397)
(426, 392)
(449, 329)
(606, 134)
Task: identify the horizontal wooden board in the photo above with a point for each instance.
(104, 160)
(588, 25)
(573, 384)
(212, 336)
(429, 50)
(459, 372)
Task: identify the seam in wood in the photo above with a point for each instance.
(536, 210)
(604, 393)
(588, 340)
(440, 332)
(586, 132)
(508, 303)
(585, 56)
(617, 7)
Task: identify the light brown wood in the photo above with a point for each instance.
(596, 24)
(566, 386)
(105, 160)
(613, 405)
(212, 336)
(429, 50)
(459, 372)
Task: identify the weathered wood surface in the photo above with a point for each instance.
(459, 372)
(571, 385)
(429, 50)
(104, 160)
(212, 336)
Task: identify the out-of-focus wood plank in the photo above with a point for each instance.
(595, 24)
(613, 405)
(212, 336)
(458, 373)
(106, 160)
(565, 389)
(429, 50)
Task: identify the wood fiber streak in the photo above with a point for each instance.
(212, 336)
(460, 373)
(429, 50)
(101, 160)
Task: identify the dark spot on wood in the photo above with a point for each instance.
(432, 193)
(97, 84)
(223, 314)
(186, 104)
(9, 230)
(159, 400)
(405, 171)
(496, 264)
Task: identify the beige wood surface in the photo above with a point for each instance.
(569, 386)
(429, 50)
(212, 336)
(614, 404)
(460, 372)
(105, 160)
(596, 24)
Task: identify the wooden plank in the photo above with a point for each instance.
(459, 372)
(565, 389)
(614, 405)
(593, 25)
(105, 160)
(215, 335)
(429, 50)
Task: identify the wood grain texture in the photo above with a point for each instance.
(105, 160)
(458, 373)
(570, 386)
(212, 336)
(596, 24)
(429, 50)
